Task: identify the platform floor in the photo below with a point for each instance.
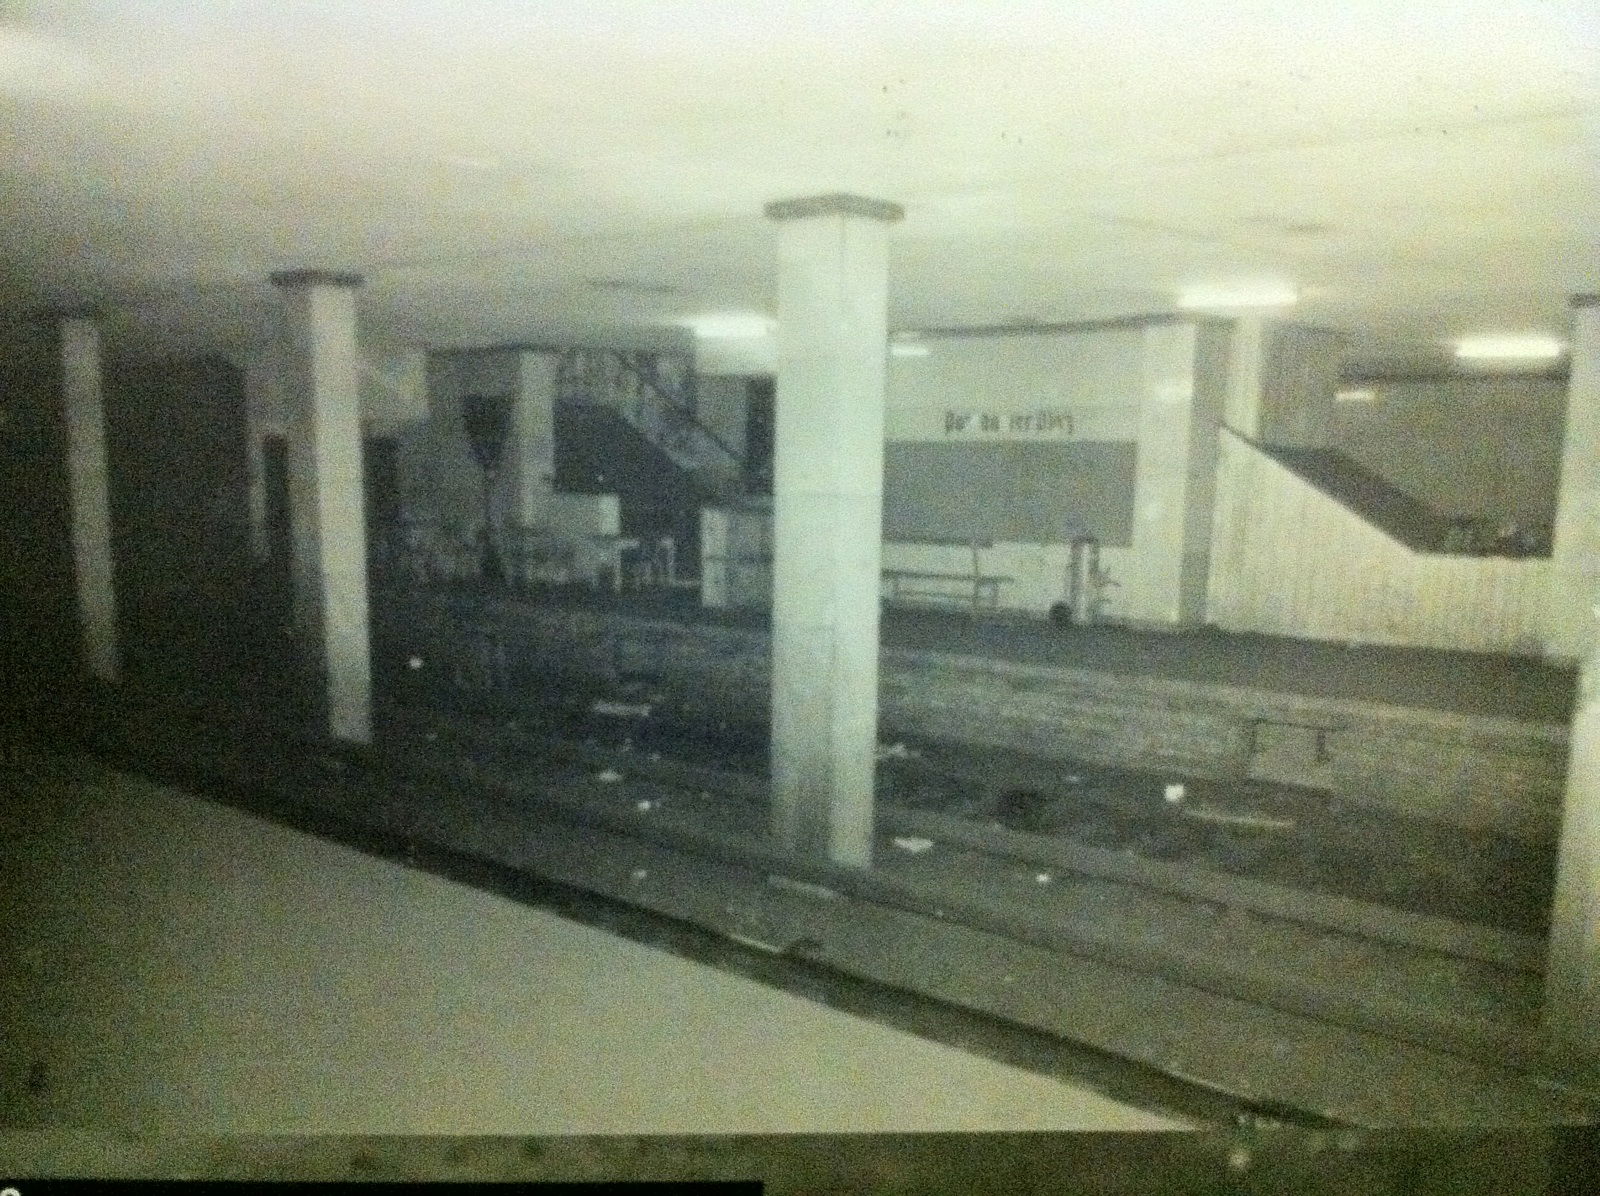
(1456, 682)
(175, 966)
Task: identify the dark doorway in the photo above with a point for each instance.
(380, 479)
(760, 435)
(380, 470)
(275, 487)
(38, 612)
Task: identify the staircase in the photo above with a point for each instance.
(654, 394)
(1373, 497)
(600, 452)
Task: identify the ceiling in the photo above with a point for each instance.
(552, 170)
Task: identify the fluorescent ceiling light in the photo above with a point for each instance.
(732, 325)
(1238, 296)
(1509, 348)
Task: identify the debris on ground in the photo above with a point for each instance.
(1259, 822)
(896, 751)
(1174, 793)
(644, 804)
(913, 844)
(639, 874)
(745, 941)
(621, 709)
(609, 776)
(414, 663)
(1042, 878)
(801, 886)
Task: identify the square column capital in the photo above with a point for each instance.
(86, 314)
(836, 204)
(315, 278)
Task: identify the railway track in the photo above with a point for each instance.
(474, 791)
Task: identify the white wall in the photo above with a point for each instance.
(1282, 379)
(1289, 560)
(1100, 378)
(1096, 374)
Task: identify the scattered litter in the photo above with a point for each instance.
(1260, 822)
(610, 776)
(627, 745)
(414, 663)
(643, 804)
(621, 709)
(431, 736)
(769, 948)
(1042, 878)
(639, 874)
(895, 751)
(913, 844)
(1074, 779)
(655, 755)
(801, 886)
(1007, 978)
(1174, 793)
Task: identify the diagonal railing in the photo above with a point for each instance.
(654, 392)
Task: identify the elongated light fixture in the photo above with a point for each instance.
(1238, 297)
(1509, 348)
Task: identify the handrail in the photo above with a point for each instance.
(640, 368)
(1429, 533)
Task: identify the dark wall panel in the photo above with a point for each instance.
(1039, 493)
(38, 609)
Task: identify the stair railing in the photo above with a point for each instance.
(633, 383)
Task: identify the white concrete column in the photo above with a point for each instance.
(88, 482)
(1246, 376)
(533, 455)
(1572, 986)
(1175, 473)
(1575, 554)
(1281, 382)
(827, 529)
(323, 399)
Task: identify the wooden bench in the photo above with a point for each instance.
(982, 589)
